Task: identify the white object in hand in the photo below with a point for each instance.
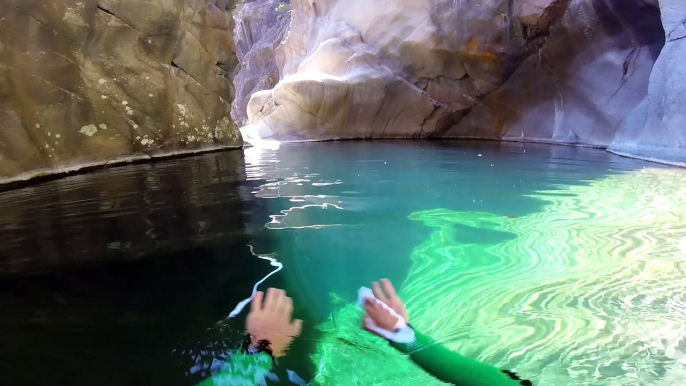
(402, 334)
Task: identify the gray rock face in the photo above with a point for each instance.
(656, 129)
(260, 28)
(562, 71)
(92, 81)
(589, 74)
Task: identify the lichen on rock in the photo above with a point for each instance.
(80, 68)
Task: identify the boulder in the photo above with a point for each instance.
(86, 82)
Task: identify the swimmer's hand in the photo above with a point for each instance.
(386, 293)
(377, 313)
(271, 320)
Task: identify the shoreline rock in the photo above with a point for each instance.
(86, 81)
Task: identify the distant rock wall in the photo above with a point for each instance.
(656, 129)
(86, 82)
(93, 81)
(260, 28)
(591, 70)
(559, 71)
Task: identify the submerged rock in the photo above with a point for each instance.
(91, 81)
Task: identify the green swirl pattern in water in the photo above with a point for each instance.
(589, 291)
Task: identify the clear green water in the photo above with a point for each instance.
(566, 265)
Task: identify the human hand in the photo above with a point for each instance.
(380, 315)
(271, 320)
(386, 293)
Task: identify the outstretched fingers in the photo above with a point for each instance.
(371, 307)
(256, 304)
(378, 292)
(274, 298)
(388, 289)
(286, 306)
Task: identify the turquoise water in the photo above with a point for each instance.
(564, 264)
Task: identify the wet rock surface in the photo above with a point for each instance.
(560, 71)
(94, 81)
(89, 82)
(656, 128)
(261, 26)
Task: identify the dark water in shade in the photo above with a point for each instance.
(122, 276)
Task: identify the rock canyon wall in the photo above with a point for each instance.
(656, 128)
(559, 71)
(87, 82)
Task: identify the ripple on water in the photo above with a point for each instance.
(590, 290)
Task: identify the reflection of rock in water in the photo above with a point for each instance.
(121, 214)
(589, 291)
(176, 227)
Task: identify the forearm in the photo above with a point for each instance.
(453, 368)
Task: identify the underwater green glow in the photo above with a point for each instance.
(590, 290)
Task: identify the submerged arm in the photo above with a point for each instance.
(386, 316)
(270, 332)
(453, 368)
(244, 369)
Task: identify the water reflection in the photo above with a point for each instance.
(126, 275)
(282, 180)
(587, 291)
(345, 215)
(341, 210)
(120, 214)
(146, 262)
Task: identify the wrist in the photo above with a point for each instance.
(255, 343)
(408, 343)
(404, 335)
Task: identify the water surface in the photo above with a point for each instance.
(565, 264)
